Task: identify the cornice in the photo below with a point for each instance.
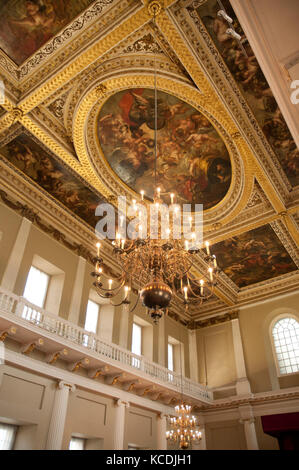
(253, 399)
(199, 324)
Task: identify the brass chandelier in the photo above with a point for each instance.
(183, 427)
(158, 259)
(162, 265)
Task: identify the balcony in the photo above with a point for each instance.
(97, 357)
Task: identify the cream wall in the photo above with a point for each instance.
(216, 355)
(26, 400)
(92, 417)
(140, 429)
(226, 435)
(255, 324)
(53, 252)
(9, 225)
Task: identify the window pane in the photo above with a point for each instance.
(285, 333)
(170, 356)
(92, 314)
(7, 436)
(136, 339)
(76, 443)
(36, 287)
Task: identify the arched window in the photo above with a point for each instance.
(286, 342)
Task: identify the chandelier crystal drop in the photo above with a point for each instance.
(183, 427)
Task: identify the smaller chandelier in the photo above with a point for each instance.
(183, 428)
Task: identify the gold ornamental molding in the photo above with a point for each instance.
(45, 137)
(87, 57)
(175, 40)
(216, 320)
(96, 169)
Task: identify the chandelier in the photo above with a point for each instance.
(158, 258)
(183, 427)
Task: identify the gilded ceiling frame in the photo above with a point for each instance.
(89, 106)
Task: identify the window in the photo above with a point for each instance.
(286, 342)
(136, 343)
(170, 357)
(76, 443)
(7, 436)
(91, 319)
(92, 315)
(36, 287)
(35, 291)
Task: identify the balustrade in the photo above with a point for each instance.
(20, 307)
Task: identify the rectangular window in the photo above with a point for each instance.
(136, 344)
(35, 292)
(92, 316)
(91, 320)
(76, 443)
(170, 357)
(36, 287)
(7, 436)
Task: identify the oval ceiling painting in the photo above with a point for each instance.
(192, 159)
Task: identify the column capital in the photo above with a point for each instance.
(246, 412)
(120, 402)
(161, 415)
(61, 385)
(247, 420)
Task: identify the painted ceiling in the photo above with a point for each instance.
(26, 25)
(79, 93)
(192, 160)
(254, 86)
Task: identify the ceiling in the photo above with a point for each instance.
(76, 129)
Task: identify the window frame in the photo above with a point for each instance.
(15, 430)
(274, 352)
(47, 287)
(169, 344)
(98, 316)
(79, 439)
(140, 328)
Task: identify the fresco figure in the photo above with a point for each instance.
(25, 25)
(192, 160)
(253, 84)
(253, 257)
(35, 162)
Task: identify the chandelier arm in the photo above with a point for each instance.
(138, 297)
(117, 288)
(102, 290)
(115, 279)
(194, 293)
(125, 300)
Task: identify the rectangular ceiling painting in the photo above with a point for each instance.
(253, 257)
(26, 25)
(253, 84)
(61, 183)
